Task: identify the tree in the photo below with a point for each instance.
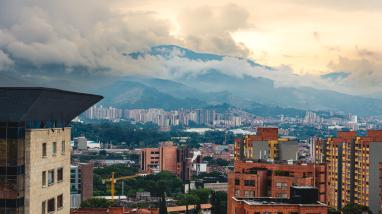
(96, 203)
(218, 202)
(355, 209)
(203, 195)
(187, 199)
(162, 205)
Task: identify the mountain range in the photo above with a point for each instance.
(210, 86)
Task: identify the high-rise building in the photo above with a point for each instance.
(352, 168)
(168, 157)
(81, 183)
(35, 148)
(266, 145)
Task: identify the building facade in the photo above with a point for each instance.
(352, 168)
(266, 145)
(81, 183)
(35, 148)
(168, 157)
(302, 201)
(263, 179)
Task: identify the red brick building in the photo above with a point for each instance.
(261, 205)
(263, 179)
(168, 157)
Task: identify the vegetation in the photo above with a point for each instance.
(219, 161)
(218, 202)
(100, 188)
(144, 135)
(163, 182)
(355, 209)
(212, 177)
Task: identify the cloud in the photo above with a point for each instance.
(208, 28)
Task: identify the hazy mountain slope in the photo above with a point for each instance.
(262, 90)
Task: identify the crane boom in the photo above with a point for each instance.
(113, 180)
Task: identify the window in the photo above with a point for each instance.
(54, 148)
(237, 193)
(43, 178)
(51, 205)
(60, 174)
(43, 207)
(60, 201)
(63, 147)
(237, 182)
(51, 177)
(44, 150)
(249, 183)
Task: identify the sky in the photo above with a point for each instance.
(302, 39)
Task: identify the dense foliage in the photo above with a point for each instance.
(163, 182)
(143, 135)
(355, 209)
(101, 188)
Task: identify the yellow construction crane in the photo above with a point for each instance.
(114, 180)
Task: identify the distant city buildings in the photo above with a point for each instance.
(164, 118)
(35, 149)
(105, 113)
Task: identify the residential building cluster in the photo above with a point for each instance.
(103, 113)
(164, 118)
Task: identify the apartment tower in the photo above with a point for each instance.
(35, 148)
(352, 168)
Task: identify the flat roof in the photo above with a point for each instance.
(274, 201)
(20, 104)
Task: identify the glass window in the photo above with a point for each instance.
(63, 147)
(51, 177)
(54, 148)
(43, 179)
(43, 207)
(44, 149)
(249, 183)
(60, 174)
(237, 181)
(60, 201)
(51, 205)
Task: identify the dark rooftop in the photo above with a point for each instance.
(20, 104)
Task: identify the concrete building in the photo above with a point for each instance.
(35, 148)
(303, 200)
(352, 168)
(80, 143)
(168, 157)
(266, 145)
(81, 183)
(263, 179)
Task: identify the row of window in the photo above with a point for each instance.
(246, 182)
(54, 148)
(48, 177)
(281, 185)
(49, 206)
(276, 212)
